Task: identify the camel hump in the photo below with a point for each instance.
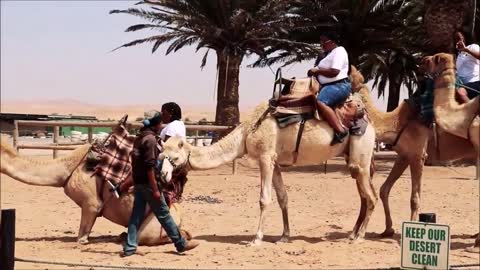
(356, 79)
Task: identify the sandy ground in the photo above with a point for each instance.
(322, 209)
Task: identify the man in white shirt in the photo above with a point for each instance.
(332, 73)
(468, 67)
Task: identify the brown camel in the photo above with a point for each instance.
(410, 137)
(69, 173)
(455, 118)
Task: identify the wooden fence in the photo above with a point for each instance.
(90, 125)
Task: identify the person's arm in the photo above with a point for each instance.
(339, 56)
(327, 72)
(150, 158)
(475, 53)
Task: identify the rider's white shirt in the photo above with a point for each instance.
(468, 67)
(336, 59)
(174, 128)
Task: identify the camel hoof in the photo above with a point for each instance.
(283, 240)
(83, 241)
(255, 243)
(387, 233)
(357, 240)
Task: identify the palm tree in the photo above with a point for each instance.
(233, 29)
(397, 67)
(443, 18)
(381, 38)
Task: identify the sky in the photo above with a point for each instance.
(61, 50)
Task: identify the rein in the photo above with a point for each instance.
(186, 164)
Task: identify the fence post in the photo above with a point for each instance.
(90, 135)
(7, 243)
(15, 135)
(234, 167)
(56, 134)
(478, 164)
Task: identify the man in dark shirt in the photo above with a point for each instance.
(144, 156)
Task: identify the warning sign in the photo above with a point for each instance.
(425, 245)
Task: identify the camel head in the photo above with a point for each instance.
(436, 64)
(175, 155)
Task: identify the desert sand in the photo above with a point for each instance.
(221, 211)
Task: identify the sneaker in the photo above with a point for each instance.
(338, 137)
(126, 254)
(190, 245)
(130, 253)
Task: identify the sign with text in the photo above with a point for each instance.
(425, 245)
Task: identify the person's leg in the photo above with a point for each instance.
(162, 212)
(461, 95)
(330, 96)
(136, 219)
(473, 89)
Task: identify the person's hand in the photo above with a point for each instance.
(311, 72)
(157, 195)
(461, 46)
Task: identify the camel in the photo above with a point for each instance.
(69, 173)
(409, 138)
(272, 147)
(459, 119)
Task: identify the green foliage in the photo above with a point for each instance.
(237, 27)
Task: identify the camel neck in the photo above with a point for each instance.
(53, 173)
(387, 124)
(226, 150)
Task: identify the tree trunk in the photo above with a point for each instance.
(394, 84)
(442, 19)
(227, 112)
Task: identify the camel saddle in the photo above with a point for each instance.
(298, 101)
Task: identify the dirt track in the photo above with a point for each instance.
(322, 208)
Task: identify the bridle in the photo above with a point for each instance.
(186, 164)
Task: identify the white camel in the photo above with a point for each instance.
(272, 147)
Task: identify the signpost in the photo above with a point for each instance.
(425, 245)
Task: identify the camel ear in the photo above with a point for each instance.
(161, 142)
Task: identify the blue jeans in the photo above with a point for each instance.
(475, 85)
(334, 94)
(143, 194)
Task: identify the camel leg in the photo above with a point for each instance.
(401, 163)
(282, 199)
(361, 215)
(361, 152)
(266, 173)
(88, 218)
(416, 169)
(368, 195)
